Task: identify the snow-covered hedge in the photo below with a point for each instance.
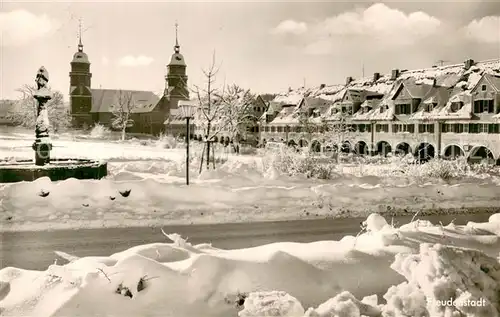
(290, 162)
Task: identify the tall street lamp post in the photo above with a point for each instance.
(187, 111)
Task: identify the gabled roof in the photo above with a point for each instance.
(436, 95)
(417, 91)
(273, 107)
(316, 102)
(103, 100)
(261, 100)
(494, 81)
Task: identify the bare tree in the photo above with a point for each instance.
(307, 126)
(23, 112)
(237, 113)
(210, 110)
(122, 110)
(340, 132)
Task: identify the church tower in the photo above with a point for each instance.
(176, 78)
(80, 91)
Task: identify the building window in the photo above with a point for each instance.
(426, 128)
(384, 128)
(473, 128)
(483, 87)
(494, 128)
(483, 128)
(273, 129)
(280, 129)
(403, 108)
(458, 128)
(361, 128)
(428, 107)
(409, 128)
(483, 106)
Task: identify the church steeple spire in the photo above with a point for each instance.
(80, 45)
(177, 47)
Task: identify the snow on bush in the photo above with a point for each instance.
(292, 163)
(166, 141)
(273, 303)
(100, 131)
(445, 281)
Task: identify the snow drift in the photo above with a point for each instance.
(319, 279)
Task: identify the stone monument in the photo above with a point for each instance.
(43, 165)
(42, 145)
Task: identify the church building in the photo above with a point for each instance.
(148, 112)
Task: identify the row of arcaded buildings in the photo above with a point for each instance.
(445, 111)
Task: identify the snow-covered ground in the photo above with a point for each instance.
(460, 276)
(418, 269)
(244, 188)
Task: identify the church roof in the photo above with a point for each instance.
(80, 57)
(103, 100)
(177, 60)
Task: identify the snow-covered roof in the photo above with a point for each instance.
(104, 100)
(288, 115)
(432, 84)
(294, 97)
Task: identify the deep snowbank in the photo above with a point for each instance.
(282, 279)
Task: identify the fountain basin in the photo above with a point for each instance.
(56, 170)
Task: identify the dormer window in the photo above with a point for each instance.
(429, 107)
(381, 109)
(455, 106)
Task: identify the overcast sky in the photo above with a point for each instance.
(264, 46)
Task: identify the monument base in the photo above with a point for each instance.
(56, 170)
(42, 148)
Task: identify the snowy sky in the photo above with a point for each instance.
(264, 46)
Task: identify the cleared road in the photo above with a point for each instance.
(34, 250)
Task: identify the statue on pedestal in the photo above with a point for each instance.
(42, 145)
